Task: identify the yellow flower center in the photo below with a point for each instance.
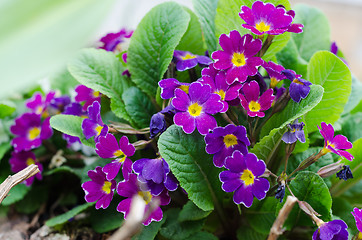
(254, 106)
(247, 177)
(195, 109)
(238, 59)
(107, 187)
(273, 82)
(184, 88)
(99, 129)
(262, 27)
(39, 110)
(118, 153)
(326, 150)
(188, 56)
(96, 94)
(34, 133)
(221, 93)
(359, 237)
(30, 161)
(297, 81)
(230, 140)
(147, 197)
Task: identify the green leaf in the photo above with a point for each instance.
(32, 201)
(355, 97)
(16, 193)
(105, 220)
(101, 71)
(63, 218)
(63, 81)
(206, 11)
(352, 126)
(279, 42)
(6, 108)
(149, 232)
(334, 76)
(153, 42)
(245, 232)
(309, 187)
(190, 212)
(294, 110)
(192, 40)
(54, 29)
(71, 125)
(343, 209)
(261, 215)
(191, 165)
(4, 147)
(202, 236)
(139, 107)
(316, 31)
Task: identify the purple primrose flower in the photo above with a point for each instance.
(243, 179)
(334, 50)
(112, 40)
(237, 56)
(94, 126)
(195, 109)
(185, 60)
(30, 131)
(37, 104)
(158, 123)
(295, 132)
(58, 104)
(252, 103)
(333, 143)
(156, 173)
(266, 18)
(108, 147)
(131, 187)
(21, 160)
(275, 73)
(299, 88)
(169, 85)
(357, 214)
(99, 188)
(87, 95)
(333, 230)
(223, 141)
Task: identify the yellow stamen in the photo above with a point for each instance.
(96, 94)
(39, 110)
(188, 56)
(30, 161)
(184, 88)
(297, 81)
(254, 106)
(34, 133)
(238, 59)
(262, 27)
(107, 187)
(247, 177)
(99, 129)
(230, 140)
(147, 197)
(221, 93)
(195, 109)
(359, 237)
(273, 82)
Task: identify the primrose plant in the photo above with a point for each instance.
(219, 120)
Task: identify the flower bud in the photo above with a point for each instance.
(330, 169)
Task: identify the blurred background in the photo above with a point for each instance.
(38, 37)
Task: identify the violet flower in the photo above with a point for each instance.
(275, 73)
(266, 18)
(243, 178)
(58, 104)
(334, 50)
(357, 214)
(131, 187)
(185, 60)
(21, 160)
(237, 56)
(345, 173)
(333, 143)
(333, 230)
(223, 141)
(299, 88)
(108, 147)
(219, 86)
(158, 123)
(87, 95)
(112, 40)
(169, 85)
(99, 188)
(156, 173)
(37, 104)
(252, 103)
(94, 126)
(295, 132)
(195, 109)
(30, 131)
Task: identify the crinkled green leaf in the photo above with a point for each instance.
(149, 232)
(153, 42)
(63, 218)
(206, 11)
(245, 232)
(71, 125)
(190, 212)
(334, 76)
(192, 166)
(101, 71)
(16, 193)
(355, 97)
(352, 126)
(105, 220)
(261, 215)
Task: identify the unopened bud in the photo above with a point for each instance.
(307, 208)
(345, 173)
(330, 169)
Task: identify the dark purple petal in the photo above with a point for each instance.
(230, 181)
(183, 65)
(181, 101)
(244, 195)
(236, 162)
(260, 187)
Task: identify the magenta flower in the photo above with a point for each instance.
(357, 214)
(295, 132)
(243, 179)
(195, 109)
(94, 126)
(252, 103)
(112, 40)
(169, 85)
(237, 56)
(185, 60)
(299, 88)
(333, 143)
(108, 147)
(30, 131)
(86, 95)
(21, 160)
(219, 86)
(99, 189)
(223, 141)
(58, 104)
(266, 18)
(334, 50)
(37, 104)
(131, 187)
(275, 73)
(156, 173)
(333, 230)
